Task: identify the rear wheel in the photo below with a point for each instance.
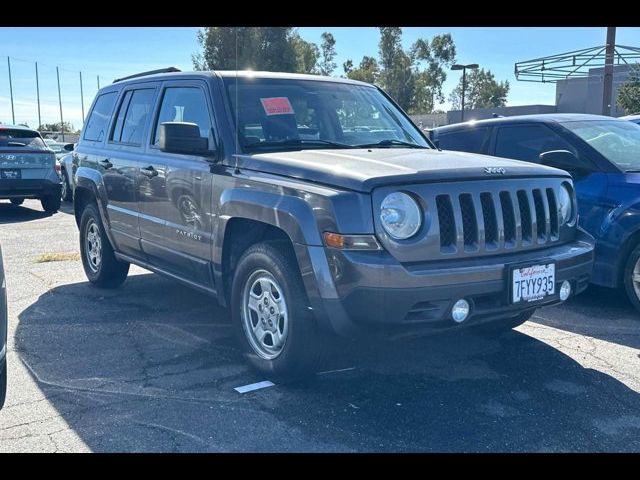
(17, 201)
(275, 327)
(51, 203)
(632, 277)
(98, 259)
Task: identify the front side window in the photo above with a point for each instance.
(96, 126)
(617, 141)
(184, 104)
(470, 140)
(133, 116)
(527, 142)
(285, 114)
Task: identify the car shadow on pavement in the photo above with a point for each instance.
(603, 313)
(151, 366)
(26, 212)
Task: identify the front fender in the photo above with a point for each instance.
(614, 242)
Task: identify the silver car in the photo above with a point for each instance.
(28, 168)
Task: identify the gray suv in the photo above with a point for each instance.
(313, 206)
(28, 168)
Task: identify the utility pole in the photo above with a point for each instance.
(38, 96)
(60, 103)
(607, 87)
(13, 113)
(471, 66)
(81, 97)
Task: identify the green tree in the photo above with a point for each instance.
(328, 49)
(368, 70)
(482, 91)
(414, 78)
(629, 93)
(276, 49)
(56, 127)
(257, 48)
(307, 55)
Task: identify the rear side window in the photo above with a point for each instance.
(99, 118)
(184, 104)
(527, 142)
(133, 116)
(18, 138)
(470, 140)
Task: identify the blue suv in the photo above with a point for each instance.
(603, 156)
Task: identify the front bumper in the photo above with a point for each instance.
(349, 290)
(29, 188)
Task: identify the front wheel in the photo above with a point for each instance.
(65, 192)
(632, 277)
(275, 327)
(98, 259)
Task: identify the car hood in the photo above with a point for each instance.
(365, 169)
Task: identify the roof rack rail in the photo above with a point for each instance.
(150, 72)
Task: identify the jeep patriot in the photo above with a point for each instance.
(312, 206)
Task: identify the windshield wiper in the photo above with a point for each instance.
(294, 142)
(389, 143)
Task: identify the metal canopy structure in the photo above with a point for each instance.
(573, 64)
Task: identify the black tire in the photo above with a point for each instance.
(109, 272)
(628, 277)
(305, 346)
(498, 326)
(66, 194)
(51, 203)
(3, 382)
(16, 202)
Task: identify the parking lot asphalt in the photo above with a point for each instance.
(152, 367)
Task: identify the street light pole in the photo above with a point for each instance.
(471, 66)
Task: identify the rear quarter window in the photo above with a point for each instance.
(471, 140)
(98, 121)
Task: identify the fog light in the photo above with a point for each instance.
(565, 290)
(460, 311)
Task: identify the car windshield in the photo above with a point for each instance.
(617, 141)
(292, 114)
(18, 138)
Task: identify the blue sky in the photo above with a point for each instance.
(112, 52)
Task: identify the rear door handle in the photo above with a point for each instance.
(106, 163)
(149, 171)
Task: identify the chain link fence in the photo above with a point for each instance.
(45, 96)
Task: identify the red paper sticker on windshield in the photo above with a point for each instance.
(277, 106)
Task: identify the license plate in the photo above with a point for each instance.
(11, 174)
(533, 282)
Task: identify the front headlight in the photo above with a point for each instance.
(400, 215)
(565, 204)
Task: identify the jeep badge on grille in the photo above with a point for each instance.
(494, 171)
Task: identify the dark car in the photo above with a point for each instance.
(3, 333)
(28, 168)
(602, 154)
(312, 206)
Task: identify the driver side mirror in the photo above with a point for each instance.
(564, 160)
(183, 137)
(69, 147)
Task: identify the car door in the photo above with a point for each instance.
(175, 191)
(120, 165)
(527, 141)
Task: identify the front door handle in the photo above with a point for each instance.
(106, 163)
(149, 171)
